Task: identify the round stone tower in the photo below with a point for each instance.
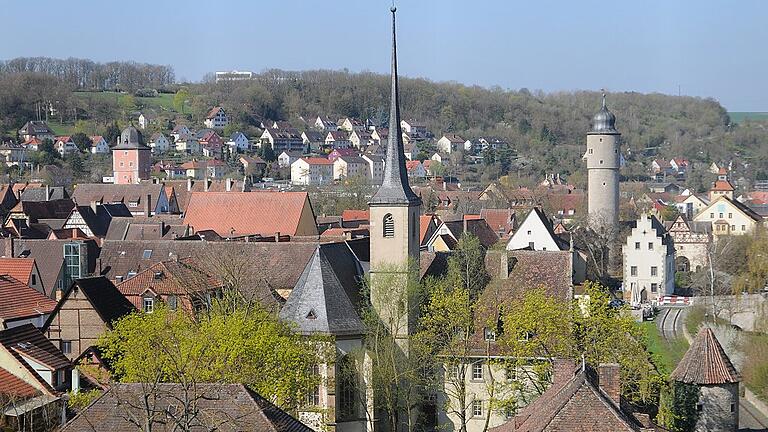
(603, 162)
(707, 366)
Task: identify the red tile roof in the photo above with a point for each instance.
(245, 213)
(12, 385)
(355, 215)
(499, 219)
(317, 161)
(173, 277)
(723, 185)
(17, 268)
(424, 225)
(705, 362)
(18, 300)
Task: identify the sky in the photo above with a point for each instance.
(707, 48)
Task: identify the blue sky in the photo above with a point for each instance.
(706, 47)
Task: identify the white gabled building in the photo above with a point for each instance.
(99, 144)
(536, 233)
(375, 168)
(350, 166)
(649, 262)
(311, 171)
(216, 118)
(239, 141)
(159, 143)
(450, 143)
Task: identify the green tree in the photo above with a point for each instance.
(248, 346)
(82, 141)
(48, 149)
(180, 99)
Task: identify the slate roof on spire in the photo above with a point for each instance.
(321, 301)
(395, 188)
(706, 362)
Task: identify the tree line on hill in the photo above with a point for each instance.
(84, 74)
(546, 130)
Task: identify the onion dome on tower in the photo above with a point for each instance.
(604, 121)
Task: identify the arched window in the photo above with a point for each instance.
(389, 226)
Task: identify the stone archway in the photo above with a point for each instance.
(682, 264)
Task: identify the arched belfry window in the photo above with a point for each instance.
(389, 226)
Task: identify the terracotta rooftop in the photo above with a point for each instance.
(176, 277)
(705, 362)
(355, 215)
(14, 386)
(18, 300)
(722, 185)
(17, 268)
(246, 213)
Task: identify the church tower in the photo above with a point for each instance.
(394, 218)
(603, 161)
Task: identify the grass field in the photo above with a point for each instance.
(666, 354)
(738, 117)
(164, 102)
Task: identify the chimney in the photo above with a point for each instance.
(609, 380)
(464, 222)
(148, 206)
(59, 294)
(277, 237)
(189, 184)
(205, 185)
(562, 371)
(445, 185)
(228, 184)
(47, 193)
(93, 206)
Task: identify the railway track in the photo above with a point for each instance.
(670, 322)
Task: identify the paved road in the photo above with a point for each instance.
(670, 321)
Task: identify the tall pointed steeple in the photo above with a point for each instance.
(395, 188)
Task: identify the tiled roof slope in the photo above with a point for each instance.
(180, 276)
(17, 268)
(319, 303)
(705, 362)
(577, 404)
(29, 341)
(19, 300)
(226, 408)
(14, 387)
(259, 267)
(245, 213)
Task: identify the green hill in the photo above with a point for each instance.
(740, 116)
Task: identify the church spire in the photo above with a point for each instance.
(395, 188)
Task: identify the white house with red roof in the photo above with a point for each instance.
(99, 144)
(216, 118)
(64, 145)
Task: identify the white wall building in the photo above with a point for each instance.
(649, 262)
(535, 233)
(309, 171)
(159, 143)
(375, 167)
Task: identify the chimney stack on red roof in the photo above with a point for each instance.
(562, 371)
(609, 380)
